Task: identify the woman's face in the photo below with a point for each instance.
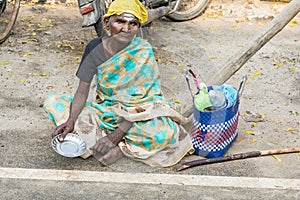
(122, 23)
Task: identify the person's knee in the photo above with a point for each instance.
(50, 98)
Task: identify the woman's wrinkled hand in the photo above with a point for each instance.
(64, 129)
(103, 145)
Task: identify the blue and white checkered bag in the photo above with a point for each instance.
(213, 132)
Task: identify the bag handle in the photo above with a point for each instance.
(189, 71)
(240, 90)
(242, 85)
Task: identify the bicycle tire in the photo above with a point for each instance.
(191, 13)
(11, 19)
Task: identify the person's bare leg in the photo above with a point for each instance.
(110, 157)
(105, 144)
(106, 149)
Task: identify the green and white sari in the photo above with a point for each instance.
(129, 87)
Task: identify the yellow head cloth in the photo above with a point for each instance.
(134, 7)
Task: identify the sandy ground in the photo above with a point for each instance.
(42, 56)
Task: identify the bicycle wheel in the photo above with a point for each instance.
(188, 9)
(8, 14)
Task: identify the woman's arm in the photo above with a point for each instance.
(103, 145)
(79, 100)
(76, 107)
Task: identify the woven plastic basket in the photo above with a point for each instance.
(213, 132)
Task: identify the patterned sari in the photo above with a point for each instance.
(129, 87)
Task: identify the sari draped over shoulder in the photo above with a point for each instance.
(129, 87)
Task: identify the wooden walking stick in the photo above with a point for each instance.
(235, 62)
(238, 156)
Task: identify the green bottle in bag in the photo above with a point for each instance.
(202, 99)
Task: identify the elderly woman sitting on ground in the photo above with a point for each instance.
(129, 115)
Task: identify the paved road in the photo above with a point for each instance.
(70, 184)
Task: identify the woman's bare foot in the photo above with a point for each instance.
(103, 145)
(110, 157)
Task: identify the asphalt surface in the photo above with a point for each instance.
(72, 184)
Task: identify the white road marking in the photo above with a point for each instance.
(147, 178)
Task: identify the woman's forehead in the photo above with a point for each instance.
(126, 16)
